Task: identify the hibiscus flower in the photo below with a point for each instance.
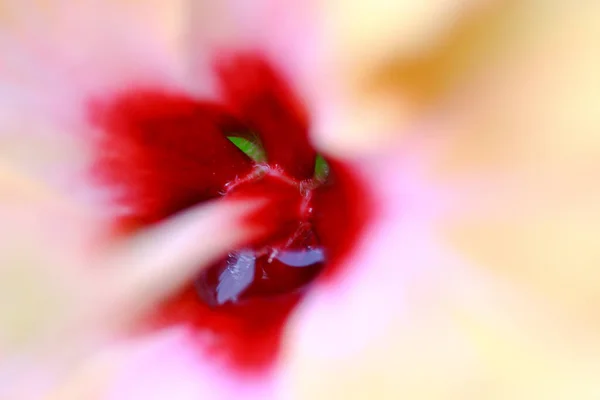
(436, 263)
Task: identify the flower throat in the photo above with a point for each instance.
(168, 151)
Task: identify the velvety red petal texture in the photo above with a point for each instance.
(265, 102)
(162, 152)
(281, 215)
(247, 333)
(165, 152)
(342, 208)
(244, 336)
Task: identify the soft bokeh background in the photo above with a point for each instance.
(476, 121)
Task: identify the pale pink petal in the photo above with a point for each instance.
(58, 56)
(168, 369)
(483, 282)
(59, 284)
(413, 317)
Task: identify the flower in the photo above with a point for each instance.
(457, 288)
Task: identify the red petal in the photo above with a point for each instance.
(266, 103)
(342, 208)
(166, 152)
(245, 336)
(281, 215)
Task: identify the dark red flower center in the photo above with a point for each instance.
(162, 152)
(289, 259)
